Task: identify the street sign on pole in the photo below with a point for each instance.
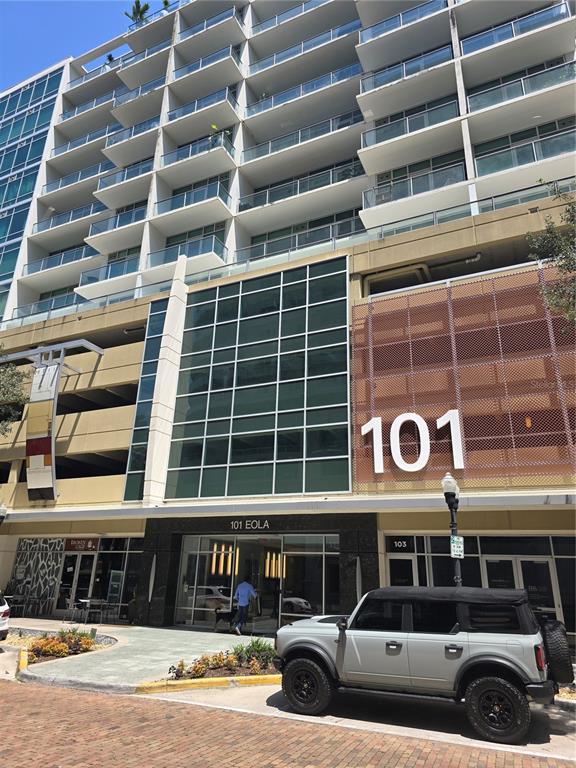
(457, 547)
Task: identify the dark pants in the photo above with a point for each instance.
(241, 616)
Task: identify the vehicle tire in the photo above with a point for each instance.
(497, 710)
(557, 652)
(307, 686)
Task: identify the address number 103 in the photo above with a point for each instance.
(450, 419)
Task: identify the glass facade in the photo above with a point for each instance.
(25, 115)
(262, 402)
(139, 448)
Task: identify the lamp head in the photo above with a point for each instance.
(450, 486)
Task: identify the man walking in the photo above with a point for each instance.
(244, 591)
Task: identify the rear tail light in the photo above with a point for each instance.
(540, 657)
(5, 614)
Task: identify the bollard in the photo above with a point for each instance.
(93, 633)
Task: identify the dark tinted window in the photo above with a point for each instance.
(493, 618)
(380, 615)
(434, 617)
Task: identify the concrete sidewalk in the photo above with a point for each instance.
(142, 654)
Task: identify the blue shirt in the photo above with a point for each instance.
(244, 591)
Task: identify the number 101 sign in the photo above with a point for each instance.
(374, 426)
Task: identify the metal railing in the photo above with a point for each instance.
(291, 13)
(68, 216)
(132, 58)
(107, 130)
(304, 134)
(120, 220)
(343, 172)
(108, 271)
(414, 185)
(229, 51)
(402, 19)
(134, 130)
(515, 28)
(210, 244)
(198, 148)
(225, 94)
(530, 152)
(330, 78)
(192, 196)
(46, 305)
(202, 26)
(87, 105)
(410, 124)
(406, 68)
(158, 14)
(305, 46)
(142, 90)
(58, 259)
(548, 78)
(73, 178)
(131, 172)
(106, 67)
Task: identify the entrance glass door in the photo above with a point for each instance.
(534, 575)
(500, 574)
(402, 571)
(76, 580)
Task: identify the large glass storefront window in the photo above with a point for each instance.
(542, 565)
(294, 575)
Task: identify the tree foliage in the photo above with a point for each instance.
(138, 12)
(12, 395)
(557, 246)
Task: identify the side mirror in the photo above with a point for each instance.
(342, 624)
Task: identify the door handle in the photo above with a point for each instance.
(454, 648)
(393, 646)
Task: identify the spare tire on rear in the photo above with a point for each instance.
(557, 652)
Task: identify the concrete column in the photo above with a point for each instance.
(165, 390)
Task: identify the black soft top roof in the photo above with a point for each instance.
(453, 594)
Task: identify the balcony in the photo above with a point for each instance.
(62, 185)
(49, 231)
(54, 307)
(333, 93)
(136, 105)
(131, 144)
(375, 156)
(522, 164)
(109, 66)
(126, 185)
(291, 13)
(206, 157)
(304, 243)
(518, 44)
(308, 197)
(82, 148)
(299, 57)
(394, 200)
(334, 138)
(123, 230)
(375, 52)
(109, 271)
(211, 34)
(201, 254)
(150, 64)
(196, 118)
(197, 207)
(410, 82)
(548, 78)
(219, 68)
(87, 106)
(512, 29)
(64, 267)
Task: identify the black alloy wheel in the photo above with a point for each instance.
(497, 709)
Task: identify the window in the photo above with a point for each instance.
(437, 617)
(379, 615)
(493, 618)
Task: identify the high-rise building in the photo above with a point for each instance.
(274, 283)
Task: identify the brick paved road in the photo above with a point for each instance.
(44, 727)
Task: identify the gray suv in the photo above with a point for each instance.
(483, 646)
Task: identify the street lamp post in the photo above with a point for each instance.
(451, 494)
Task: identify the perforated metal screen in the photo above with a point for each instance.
(487, 346)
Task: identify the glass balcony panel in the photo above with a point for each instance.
(57, 259)
(108, 271)
(401, 19)
(537, 82)
(211, 244)
(406, 68)
(495, 96)
(126, 173)
(140, 91)
(206, 61)
(556, 145)
(550, 77)
(120, 220)
(514, 28)
(68, 216)
(551, 146)
(408, 125)
(193, 196)
(198, 147)
(415, 185)
(132, 58)
(85, 106)
(207, 23)
(291, 13)
(134, 130)
(206, 101)
(73, 178)
(86, 139)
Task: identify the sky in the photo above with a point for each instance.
(34, 34)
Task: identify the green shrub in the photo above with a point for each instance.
(258, 649)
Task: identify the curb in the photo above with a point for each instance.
(22, 662)
(166, 686)
(25, 676)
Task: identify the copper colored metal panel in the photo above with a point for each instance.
(487, 346)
